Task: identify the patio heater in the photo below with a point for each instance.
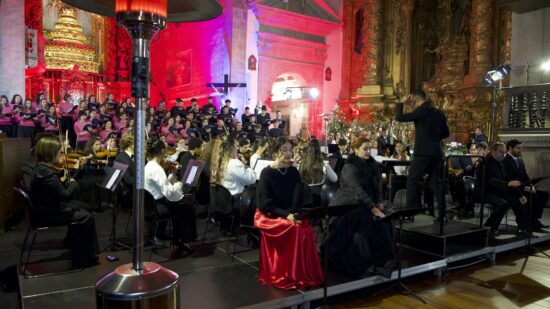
(143, 284)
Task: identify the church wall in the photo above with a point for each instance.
(332, 89)
(184, 57)
(530, 45)
(252, 49)
(12, 47)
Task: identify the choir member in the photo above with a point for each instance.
(82, 129)
(6, 117)
(26, 126)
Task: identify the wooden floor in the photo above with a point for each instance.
(513, 282)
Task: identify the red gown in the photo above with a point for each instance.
(288, 254)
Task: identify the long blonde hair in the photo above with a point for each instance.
(220, 159)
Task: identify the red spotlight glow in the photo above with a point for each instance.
(158, 7)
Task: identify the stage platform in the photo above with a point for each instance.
(212, 279)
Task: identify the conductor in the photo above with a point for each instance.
(431, 128)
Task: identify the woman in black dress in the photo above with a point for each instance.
(288, 254)
(52, 198)
(355, 242)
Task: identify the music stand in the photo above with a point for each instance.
(110, 182)
(389, 164)
(400, 215)
(530, 184)
(192, 173)
(325, 213)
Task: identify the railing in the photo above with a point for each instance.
(526, 106)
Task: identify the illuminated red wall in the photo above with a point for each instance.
(184, 57)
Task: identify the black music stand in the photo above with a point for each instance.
(389, 165)
(530, 184)
(400, 215)
(112, 179)
(325, 213)
(192, 173)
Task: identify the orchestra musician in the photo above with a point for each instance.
(54, 202)
(230, 170)
(355, 242)
(125, 156)
(313, 169)
(501, 192)
(515, 170)
(280, 196)
(260, 150)
(168, 193)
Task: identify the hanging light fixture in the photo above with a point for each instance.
(143, 284)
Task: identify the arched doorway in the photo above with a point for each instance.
(290, 95)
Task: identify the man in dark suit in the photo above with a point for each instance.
(431, 128)
(515, 170)
(384, 142)
(125, 189)
(500, 192)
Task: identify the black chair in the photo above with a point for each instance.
(222, 207)
(151, 216)
(247, 211)
(35, 228)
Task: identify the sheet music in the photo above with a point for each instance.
(113, 179)
(191, 176)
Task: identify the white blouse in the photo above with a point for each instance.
(159, 185)
(237, 176)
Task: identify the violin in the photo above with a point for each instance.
(169, 167)
(170, 150)
(105, 153)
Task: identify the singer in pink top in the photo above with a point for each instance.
(26, 125)
(6, 116)
(82, 135)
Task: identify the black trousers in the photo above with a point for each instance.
(82, 234)
(540, 198)
(500, 207)
(421, 165)
(183, 218)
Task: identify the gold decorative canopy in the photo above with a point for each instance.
(67, 45)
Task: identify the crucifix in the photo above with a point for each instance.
(226, 84)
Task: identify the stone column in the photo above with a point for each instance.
(12, 47)
(372, 35)
(403, 43)
(238, 52)
(481, 27)
(505, 40)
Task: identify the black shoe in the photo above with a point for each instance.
(468, 214)
(538, 224)
(522, 233)
(183, 250)
(163, 236)
(492, 237)
(155, 242)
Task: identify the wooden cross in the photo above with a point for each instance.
(226, 84)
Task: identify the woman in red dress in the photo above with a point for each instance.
(288, 254)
